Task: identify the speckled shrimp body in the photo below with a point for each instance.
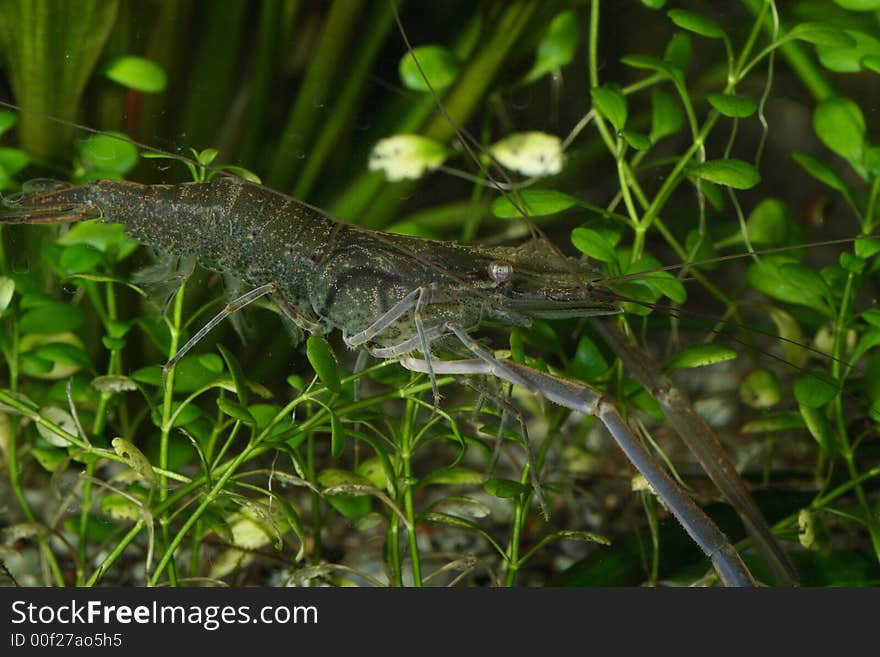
(389, 293)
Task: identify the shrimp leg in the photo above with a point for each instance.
(585, 399)
(703, 443)
(237, 304)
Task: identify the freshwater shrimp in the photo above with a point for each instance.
(393, 295)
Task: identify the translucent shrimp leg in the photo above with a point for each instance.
(585, 399)
(703, 443)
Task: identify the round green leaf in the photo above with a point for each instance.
(789, 282)
(111, 151)
(849, 59)
(700, 355)
(733, 173)
(439, 65)
(760, 389)
(840, 125)
(557, 47)
(537, 202)
(611, 104)
(859, 5)
(822, 35)
(637, 140)
(52, 318)
(64, 353)
(815, 389)
(13, 160)
(767, 224)
(323, 361)
(137, 73)
(735, 107)
(865, 247)
(593, 244)
(693, 22)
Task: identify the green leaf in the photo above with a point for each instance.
(790, 282)
(637, 140)
(736, 107)
(840, 125)
(821, 34)
(849, 59)
(819, 427)
(664, 283)
(700, 355)
(588, 363)
(79, 259)
(667, 117)
(506, 488)
(693, 22)
(13, 160)
(137, 73)
(733, 173)
(538, 203)
(760, 389)
(871, 159)
(871, 62)
(337, 435)
(767, 224)
(865, 247)
(822, 172)
(106, 238)
(815, 389)
(653, 64)
(110, 151)
(851, 263)
(593, 244)
(557, 47)
(335, 478)
(679, 50)
(458, 476)
(611, 103)
(236, 411)
(135, 459)
(654, 4)
(439, 65)
(7, 120)
(859, 5)
(778, 422)
(7, 288)
(323, 361)
(52, 318)
(238, 378)
(64, 353)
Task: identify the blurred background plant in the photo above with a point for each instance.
(641, 133)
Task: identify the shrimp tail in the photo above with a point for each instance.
(45, 201)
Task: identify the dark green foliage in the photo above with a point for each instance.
(667, 146)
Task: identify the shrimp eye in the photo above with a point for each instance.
(500, 271)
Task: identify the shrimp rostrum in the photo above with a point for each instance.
(395, 296)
